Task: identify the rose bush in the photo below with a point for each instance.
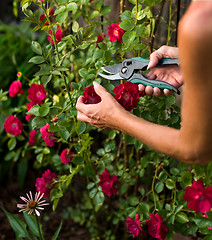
(120, 178)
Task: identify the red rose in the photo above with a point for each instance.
(58, 35)
(156, 228)
(127, 95)
(48, 137)
(134, 226)
(100, 38)
(15, 88)
(46, 183)
(90, 96)
(108, 183)
(13, 126)
(37, 93)
(198, 197)
(66, 156)
(115, 33)
(32, 137)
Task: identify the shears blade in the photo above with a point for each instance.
(112, 69)
(110, 77)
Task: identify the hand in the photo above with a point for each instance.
(167, 73)
(102, 114)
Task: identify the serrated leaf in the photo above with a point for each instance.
(61, 17)
(72, 6)
(127, 25)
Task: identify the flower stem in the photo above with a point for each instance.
(38, 225)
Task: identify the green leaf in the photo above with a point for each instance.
(170, 100)
(36, 47)
(163, 176)
(64, 133)
(80, 128)
(12, 143)
(44, 110)
(105, 10)
(202, 222)
(209, 237)
(186, 178)
(18, 226)
(129, 37)
(182, 217)
(37, 60)
(34, 110)
(170, 184)
(159, 187)
(127, 25)
(59, 9)
(126, 15)
(56, 234)
(61, 17)
(72, 7)
(98, 54)
(38, 122)
(133, 200)
(99, 198)
(78, 160)
(93, 192)
(75, 26)
(31, 222)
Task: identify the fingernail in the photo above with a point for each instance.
(96, 84)
(149, 65)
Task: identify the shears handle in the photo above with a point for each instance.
(155, 83)
(163, 61)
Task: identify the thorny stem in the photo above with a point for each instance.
(56, 48)
(157, 21)
(121, 6)
(169, 24)
(153, 185)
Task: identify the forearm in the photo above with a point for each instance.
(167, 140)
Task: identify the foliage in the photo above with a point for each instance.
(148, 182)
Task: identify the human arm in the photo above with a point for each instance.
(167, 73)
(192, 143)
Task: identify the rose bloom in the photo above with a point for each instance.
(48, 137)
(43, 16)
(58, 35)
(32, 137)
(115, 32)
(66, 156)
(37, 93)
(127, 95)
(13, 125)
(29, 106)
(156, 228)
(108, 183)
(198, 197)
(15, 88)
(134, 226)
(90, 96)
(46, 183)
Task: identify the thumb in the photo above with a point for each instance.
(154, 59)
(99, 89)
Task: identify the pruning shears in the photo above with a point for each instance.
(131, 70)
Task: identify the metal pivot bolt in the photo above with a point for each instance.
(124, 70)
